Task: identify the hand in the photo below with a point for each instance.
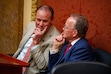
(58, 42)
(38, 34)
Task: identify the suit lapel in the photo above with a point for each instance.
(62, 54)
(27, 36)
(68, 53)
(66, 56)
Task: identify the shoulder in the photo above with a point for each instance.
(82, 43)
(31, 25)
(53, 31)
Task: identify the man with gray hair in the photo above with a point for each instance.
(75, 46)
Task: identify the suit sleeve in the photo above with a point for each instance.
(53, 58)
(38, 57)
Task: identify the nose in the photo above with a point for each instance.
(63, 28)
(41, 23)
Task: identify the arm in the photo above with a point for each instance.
(53, 57)
(38, 52)
(38, 56)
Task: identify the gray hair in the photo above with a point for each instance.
(81, 25)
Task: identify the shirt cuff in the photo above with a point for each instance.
(54, 51)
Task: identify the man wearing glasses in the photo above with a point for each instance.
(71, 45)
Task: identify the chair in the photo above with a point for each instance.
(103, 56)
(82, 68)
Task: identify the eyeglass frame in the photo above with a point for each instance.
(67, 28)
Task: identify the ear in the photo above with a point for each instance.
(75, 33)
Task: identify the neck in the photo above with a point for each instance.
(73, 39)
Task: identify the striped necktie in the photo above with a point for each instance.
(67, 48)
(25, 59)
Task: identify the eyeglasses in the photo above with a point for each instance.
(65, 27)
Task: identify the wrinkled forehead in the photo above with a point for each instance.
(71, 20)
(44, 9)
(43, 13)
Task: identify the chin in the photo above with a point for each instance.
(41, 29)
(63, 36)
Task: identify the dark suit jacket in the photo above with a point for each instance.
(80, 51)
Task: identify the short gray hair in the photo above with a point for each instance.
(81, 25)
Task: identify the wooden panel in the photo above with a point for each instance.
(10, 70)
(11, 25)
(10, 65)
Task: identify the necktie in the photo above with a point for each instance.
(27, 54)
(25, 59)
(67, 48)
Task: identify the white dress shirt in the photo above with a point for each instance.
(25, 48)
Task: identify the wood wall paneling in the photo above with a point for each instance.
(11, 19)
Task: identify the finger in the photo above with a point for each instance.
(37, 30)
(61, 37)
(58, 40)
(43, 31)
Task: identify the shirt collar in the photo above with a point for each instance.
(73, 42)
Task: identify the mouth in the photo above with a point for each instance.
(41, 28)
(62, 33)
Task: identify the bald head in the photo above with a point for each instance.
(46, 8)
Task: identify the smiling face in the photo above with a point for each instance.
(69, 31)
(43, 19)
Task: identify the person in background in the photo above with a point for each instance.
(71, 45)
(38, 39)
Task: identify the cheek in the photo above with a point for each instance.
(36, 25)
(47, 23)
(65, 34)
